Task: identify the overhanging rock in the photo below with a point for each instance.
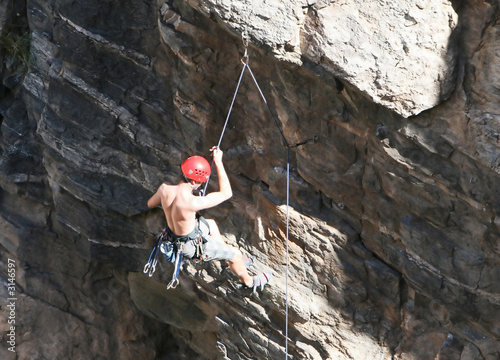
(398, 53)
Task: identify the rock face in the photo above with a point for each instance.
(398, 53)
(394, 216)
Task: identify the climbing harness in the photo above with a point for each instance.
(172, 248)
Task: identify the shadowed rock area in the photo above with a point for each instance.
(394, 216)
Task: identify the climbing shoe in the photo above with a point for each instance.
(249, 261)
(260, 280)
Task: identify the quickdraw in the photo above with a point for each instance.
(177, 266)
(150, 267)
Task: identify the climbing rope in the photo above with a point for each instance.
(287, 247)
(287, 202)
(287, 207)
(245, 65)
(245, 60)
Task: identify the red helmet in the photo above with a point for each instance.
(196, 168)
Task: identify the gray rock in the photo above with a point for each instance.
(394, 191)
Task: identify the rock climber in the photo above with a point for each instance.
(180, 206)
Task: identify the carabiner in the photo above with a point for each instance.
(173, 284)
(244, 39)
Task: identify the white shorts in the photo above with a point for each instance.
(212, 249)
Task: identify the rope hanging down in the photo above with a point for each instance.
(244, 60)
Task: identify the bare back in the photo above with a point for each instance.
(176, 201)
(180, 205)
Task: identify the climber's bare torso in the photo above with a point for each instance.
(180, 205)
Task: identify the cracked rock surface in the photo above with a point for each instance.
(394, 216)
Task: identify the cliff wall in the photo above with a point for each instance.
(394, 217)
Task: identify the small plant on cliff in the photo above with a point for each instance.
(15, 47)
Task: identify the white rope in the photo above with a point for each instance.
(227, 119)
(245, 66)
(287, 206)
(287, 247)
